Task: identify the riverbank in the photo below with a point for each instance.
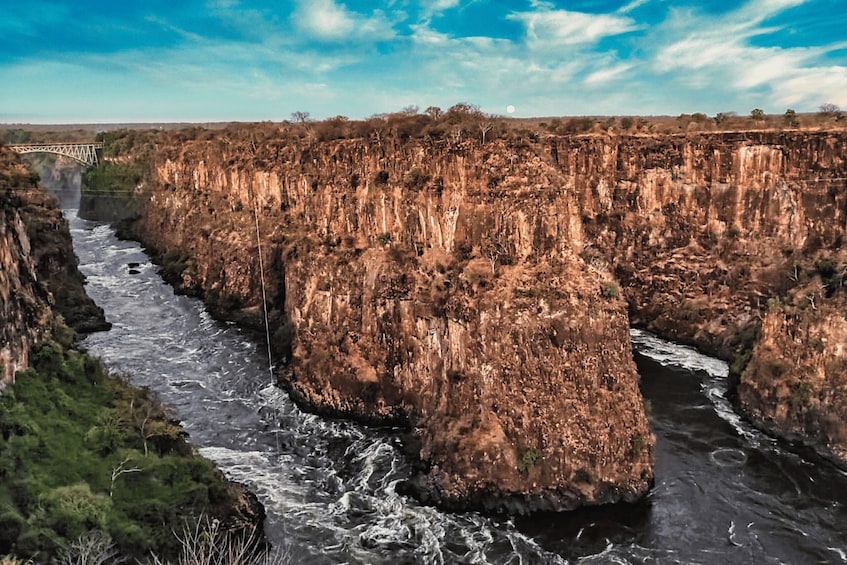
(83, 452)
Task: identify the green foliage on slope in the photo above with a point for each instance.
(83, 451)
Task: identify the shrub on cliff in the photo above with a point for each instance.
(610, 290)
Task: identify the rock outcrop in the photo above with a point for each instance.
(38, 269)
(433, 284)
(734, 243)
(24, 304)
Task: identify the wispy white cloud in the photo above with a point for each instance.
(548, 28)
(606, 75)
(632, 6)
(428, 8)
(720, 52)
(328, 20)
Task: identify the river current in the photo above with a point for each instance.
(724, 493)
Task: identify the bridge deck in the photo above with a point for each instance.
(83, 153)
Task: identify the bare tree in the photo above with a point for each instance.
(485, 125)
(300, 117)
(829, 109)
(94, 548)
(119, 470)
(208, 543)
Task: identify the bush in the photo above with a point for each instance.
(610, 290)
(530, 458)
(415, 179)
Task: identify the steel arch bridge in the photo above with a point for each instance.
(82, 153)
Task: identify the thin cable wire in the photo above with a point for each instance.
(264, 293)
(265, 307)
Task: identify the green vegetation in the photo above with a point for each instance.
(757, 114)
(610, 290)
(748, 336)
(82, 451)
(637, 444)
(114, 177)
(529, 459)
(790, 118)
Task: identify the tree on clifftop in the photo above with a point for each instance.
(830, 110)
(790, 117)
(757, 114)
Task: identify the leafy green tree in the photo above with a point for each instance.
(758, 114)
(790, 118)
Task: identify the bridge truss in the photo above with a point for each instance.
(82, 153)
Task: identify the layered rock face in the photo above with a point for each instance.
(38, 269)
(732, 242)
(433, 284)
(24, 304)
(469, 289)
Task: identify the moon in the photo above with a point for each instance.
(510, 109)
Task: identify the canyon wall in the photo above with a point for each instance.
(734, 243)
(432, 284)
(24, 304)
(38, 270)
(478, 293)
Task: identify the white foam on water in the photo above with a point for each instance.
(713, 373)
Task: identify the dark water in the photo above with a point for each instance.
(724, 493)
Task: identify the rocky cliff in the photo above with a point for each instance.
(479, 292)
(24, 304)
(434, 284)
(39, 272)
(732, 242)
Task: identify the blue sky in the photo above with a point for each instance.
(67, 61)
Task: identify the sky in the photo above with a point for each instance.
(106, 61)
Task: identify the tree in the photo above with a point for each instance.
(723, 117)
(485, 125)
(121, 469)
(433, 112)
(758, 114)
(300, 117)
(790, 118)
(829, 109)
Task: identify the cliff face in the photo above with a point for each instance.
(39, 272)
(24, 304)
(470, 290)
(438, 285)
(732, 242)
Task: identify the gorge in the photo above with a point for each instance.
(480, 294)
(403, 271)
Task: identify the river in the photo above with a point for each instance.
(724, 492)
